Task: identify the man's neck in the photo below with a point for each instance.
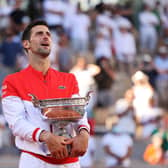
(40, 64)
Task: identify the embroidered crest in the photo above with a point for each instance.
(61, 87)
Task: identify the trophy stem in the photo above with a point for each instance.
(59, 128)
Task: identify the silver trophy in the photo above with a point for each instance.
(60, 112)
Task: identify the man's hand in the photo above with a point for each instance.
(79, 144)
(57, 145)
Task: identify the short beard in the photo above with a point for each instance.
(44, 53)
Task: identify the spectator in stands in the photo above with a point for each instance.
(79, 32)
(10, 48)
(104, 82)
(5, 10)
(123, 109)
(35, 10)
(125, 55)
(157, 151)
(85, 73)
(18, 21)
(145, 104)
(54, 11)
(118, 148)
(161, 65)
(147, 67)
(147, 30)
(64, 56)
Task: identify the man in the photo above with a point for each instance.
(33, 135)
(117, 146)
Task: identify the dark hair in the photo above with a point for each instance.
(27, 32)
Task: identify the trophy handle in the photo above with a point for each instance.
(34, 100)
(88, 96)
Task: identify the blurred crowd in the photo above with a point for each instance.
(97, 45)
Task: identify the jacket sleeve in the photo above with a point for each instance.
(83, 122)
(15, 113)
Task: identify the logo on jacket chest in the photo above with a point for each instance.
(61, 87)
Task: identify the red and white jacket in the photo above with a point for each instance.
(23, 118)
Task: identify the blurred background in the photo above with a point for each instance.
(116, 48)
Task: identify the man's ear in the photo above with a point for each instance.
(26, 44)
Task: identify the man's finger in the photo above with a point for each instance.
(67, 142)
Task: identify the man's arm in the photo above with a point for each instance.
(15, 114)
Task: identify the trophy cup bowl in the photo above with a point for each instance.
(60, 112)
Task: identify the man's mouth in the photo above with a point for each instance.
(45, 45)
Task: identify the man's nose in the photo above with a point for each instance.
(45, 37)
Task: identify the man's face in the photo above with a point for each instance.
(40, 41)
